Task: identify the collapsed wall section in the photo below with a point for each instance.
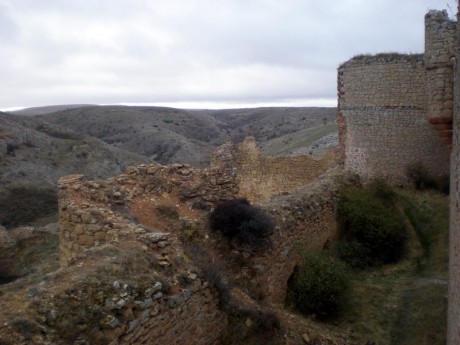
(259, 178)
(152, 218)
(236, 171)
(146, 290)
(306, 220)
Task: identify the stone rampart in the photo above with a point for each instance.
(158, 293)
(439, 40)
(259, 178)
(156, 211)
(306, 220)
(386, 101)
(236, 171)
(384, 142)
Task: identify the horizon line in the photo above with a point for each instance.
(200, 105)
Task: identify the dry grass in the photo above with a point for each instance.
(406, 303)
(290, 143)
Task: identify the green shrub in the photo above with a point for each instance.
(242, 222)
(373, 228)
(319, 286)
(382, 190)
(421, 177)
(354, 253)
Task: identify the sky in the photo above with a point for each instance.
(195, 53)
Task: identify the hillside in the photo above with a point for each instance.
(35, 154)
(39, 147)
(48, 109)
(168, 135)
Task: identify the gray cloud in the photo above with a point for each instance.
(114, 51)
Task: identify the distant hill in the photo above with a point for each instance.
(34, 152)
(168, 135)
(39, 145)
(47, 109)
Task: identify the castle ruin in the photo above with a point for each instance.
(395, 110)
(126, 243)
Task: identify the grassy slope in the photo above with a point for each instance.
(169, 135)
(288, 144)
(406, 304)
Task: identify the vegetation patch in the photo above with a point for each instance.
(405, 303)
(319, 286)
(422, 179)
(373, 228)
(238, 220)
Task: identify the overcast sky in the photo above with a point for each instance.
(195, 53)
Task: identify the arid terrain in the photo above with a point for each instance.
(40, 145)
(386, 305)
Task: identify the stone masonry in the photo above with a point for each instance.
(453, 315)
(153, 210)
(385, 104)
(236, 170)
(394, 110)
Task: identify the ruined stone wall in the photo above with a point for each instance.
(307, 220)
(236, 171)
(384, 80)
(178, 306)
(259, 178)
(191, 318)
(382, 118)
(152, 210)
(385, 102)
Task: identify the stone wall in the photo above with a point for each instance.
(439, 37)
(383, 142)
(453, 317)
(155, 210)
(160, 297)
(259, 178)
(236, 171)
(385, 102)
(306, 220)
(384, 80)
